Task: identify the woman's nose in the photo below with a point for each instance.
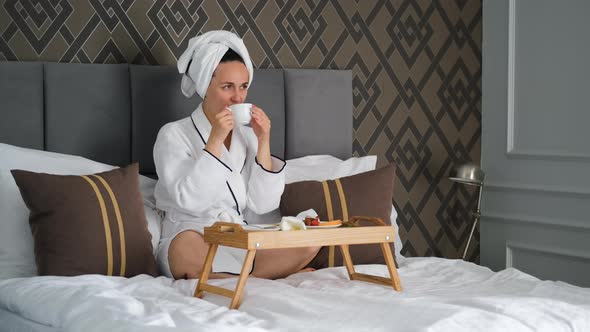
(238, 97)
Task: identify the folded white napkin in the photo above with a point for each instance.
(307, 213)
(291, 224)
(296, 223)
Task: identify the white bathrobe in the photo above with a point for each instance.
(196, 189)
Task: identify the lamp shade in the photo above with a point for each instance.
(468, 174)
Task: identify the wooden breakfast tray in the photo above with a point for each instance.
(233, 235)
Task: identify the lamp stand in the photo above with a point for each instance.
(477, 214)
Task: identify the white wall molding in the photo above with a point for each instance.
(512, 246)
(533, 138)
(537, 221)
(511, 73)
(512, 151)
(547, 155)
(547, 190)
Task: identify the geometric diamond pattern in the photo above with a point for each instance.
(416, 76)
(459, 93)
(410, 31)
(176, 23)
(38, 20)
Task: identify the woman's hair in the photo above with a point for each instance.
(231, 55)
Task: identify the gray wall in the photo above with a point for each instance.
(535, 150)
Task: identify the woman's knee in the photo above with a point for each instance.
(186, 255)
(308, 253)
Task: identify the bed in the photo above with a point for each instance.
(76, 118)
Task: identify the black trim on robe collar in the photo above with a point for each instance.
(234, 197)
(198, 132)
(205, 143)
(226, 182)
(212, 155)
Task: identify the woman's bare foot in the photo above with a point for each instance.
(307, 269)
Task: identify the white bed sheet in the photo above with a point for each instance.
(439, 295)
(11, 322)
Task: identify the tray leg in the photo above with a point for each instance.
(235, 302)
(207, 265)
(391, 266)
(393, 281)
(347, 260)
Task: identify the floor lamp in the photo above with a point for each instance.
(472, 175)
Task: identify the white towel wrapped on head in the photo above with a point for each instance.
(203, 54)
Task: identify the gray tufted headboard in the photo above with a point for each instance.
(112, 113)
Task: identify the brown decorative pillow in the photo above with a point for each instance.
(365, 194)
(89, 224)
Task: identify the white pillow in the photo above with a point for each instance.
(320, 168)
(325, 167)
(16, 242)
(153, 215)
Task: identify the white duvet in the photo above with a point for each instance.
(438, 295)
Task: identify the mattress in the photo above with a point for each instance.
(438, 295)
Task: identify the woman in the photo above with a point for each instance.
(211, 169)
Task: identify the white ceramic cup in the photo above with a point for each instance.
(242, 113)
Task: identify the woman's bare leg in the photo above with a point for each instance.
(280, 263)
(187, 254)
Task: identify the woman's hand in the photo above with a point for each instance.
(221, 126)
(260, 124)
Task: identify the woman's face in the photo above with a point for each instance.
(228, 86)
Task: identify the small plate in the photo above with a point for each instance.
(261, 227)
(327, 226)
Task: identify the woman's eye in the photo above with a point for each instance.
(226, 87)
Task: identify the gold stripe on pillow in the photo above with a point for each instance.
(107, 228)
(328, 200)
(342, 200)
(119, 223)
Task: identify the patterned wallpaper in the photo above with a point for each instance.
(416, 69)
